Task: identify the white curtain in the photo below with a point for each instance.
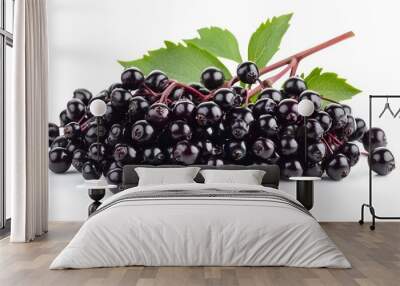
(27, 129)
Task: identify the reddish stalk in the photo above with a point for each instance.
(271, 80)
(85, 125)
(301, 55)
(168, 91)
(247, 99)
(208, 97)
(232, 81)
(335, 139)
(82, 126)
(174, 84)
(327, 145)
(148, 89)
(329, 140)
(192, 90)
(260, 82)
(80, 120)
(364, 153)
(294, 63)
(267, 82)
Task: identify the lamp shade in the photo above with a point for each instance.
(305, 107)
(98, 107)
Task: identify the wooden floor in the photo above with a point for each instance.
(375, 257)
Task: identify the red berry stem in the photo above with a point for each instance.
(85, 125)
(294, 64)
(301, 55)
(167, 91)
(80, 120)
(260, 82)
(174, 84)
(247, 98)
(192, 90)
(271, 80)
(335, 139)
(267, 82)
(327, 145)
(149, 90)
(329, 140)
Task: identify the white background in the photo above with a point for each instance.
(87, 37)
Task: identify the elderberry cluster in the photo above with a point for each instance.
(154, 120)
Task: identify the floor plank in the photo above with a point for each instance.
(375, 257)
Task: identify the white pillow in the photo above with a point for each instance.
(247, 177)
(163, 176)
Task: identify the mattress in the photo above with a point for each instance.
(201, 225)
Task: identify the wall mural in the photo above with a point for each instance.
(157, 115)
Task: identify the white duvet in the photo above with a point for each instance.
(200, 231)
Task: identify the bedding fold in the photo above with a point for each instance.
(201, 225)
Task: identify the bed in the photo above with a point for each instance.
(199, 224)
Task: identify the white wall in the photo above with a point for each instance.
(87, 37)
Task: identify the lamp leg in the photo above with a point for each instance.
(305, 144)
(305, 193)
(96, 195)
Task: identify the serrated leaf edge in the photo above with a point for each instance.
(263, 26)
(170, 44)
(199, 31)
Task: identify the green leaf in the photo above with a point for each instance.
(179, 62)
(265, 41)
(221, 43)
(330, 85)
(254, 98)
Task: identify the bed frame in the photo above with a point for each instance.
(271, 179)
